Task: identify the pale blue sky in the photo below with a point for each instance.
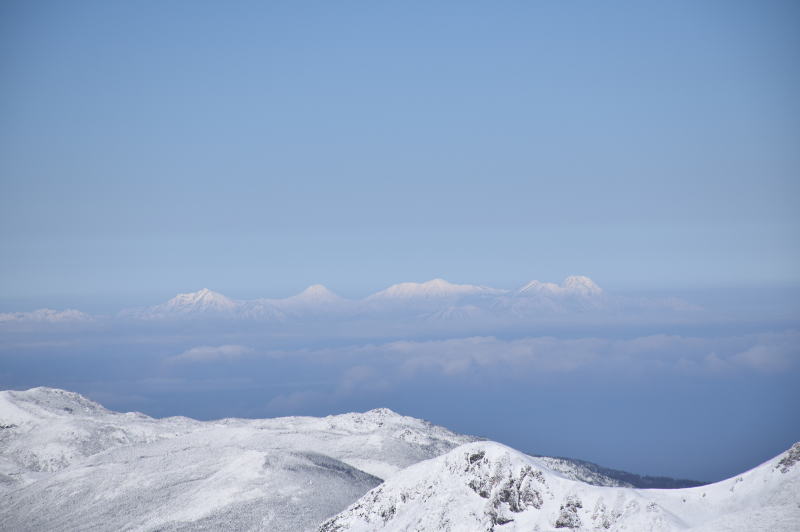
(149, 148)
(154, 147)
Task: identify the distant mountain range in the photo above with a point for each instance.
(67, 463)
(432, 302)
(599, 475)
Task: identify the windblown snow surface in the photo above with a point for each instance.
(67, 463)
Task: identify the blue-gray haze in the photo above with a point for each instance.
(149, 148)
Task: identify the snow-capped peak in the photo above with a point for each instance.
(202, 300)
(435, 288)
(315, 297)
(575, 285)
(579, 284)
(316, 293)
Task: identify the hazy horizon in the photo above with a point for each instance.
(566, 368)
(151, 149)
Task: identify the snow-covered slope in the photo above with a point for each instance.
(45, 430)
(68, 463)
(486, 486)
(198, 483)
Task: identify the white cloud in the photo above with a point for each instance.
(205, 353)
(712, 355)
(769, 357)
(459, 355)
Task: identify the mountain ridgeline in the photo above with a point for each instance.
(624, 479)
(67, 463)
(434, 301)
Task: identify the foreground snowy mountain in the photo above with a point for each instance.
(67, 463)
(487, 486)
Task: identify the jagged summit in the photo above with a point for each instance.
(489, 486)
(574, 285)
(435, 288)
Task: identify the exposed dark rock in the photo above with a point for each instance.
(475, 457)
(790, 458)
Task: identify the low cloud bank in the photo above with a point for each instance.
(766, 352)
(45, 315)
(378, 367)
(206, 353)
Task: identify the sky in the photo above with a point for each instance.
(256, 148)
(157, 147)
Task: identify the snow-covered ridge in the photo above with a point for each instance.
(68, 463)
(487, 486)
(38, 417)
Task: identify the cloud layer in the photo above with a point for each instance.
(762, 352)
(45, 315)
(206, 353)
